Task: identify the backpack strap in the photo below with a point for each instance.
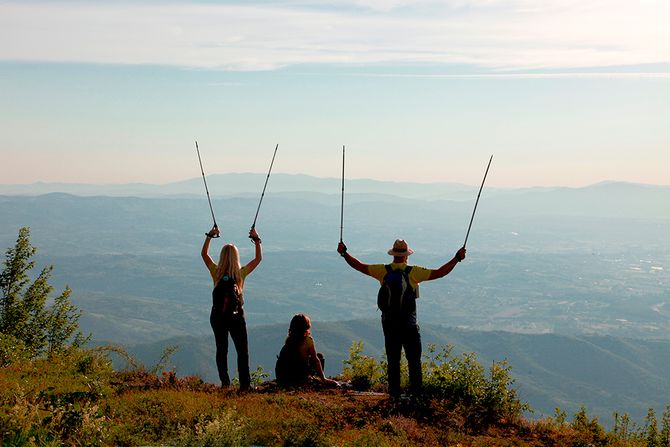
(415, 289)
(406, 272)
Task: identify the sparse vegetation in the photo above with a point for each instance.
(55, 392)
(74, 398)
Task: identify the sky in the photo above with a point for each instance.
(561, 92)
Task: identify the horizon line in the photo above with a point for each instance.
(263, 174)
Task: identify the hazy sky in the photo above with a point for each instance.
(563, 92)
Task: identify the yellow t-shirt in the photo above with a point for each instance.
(305, 349)
(416, 275)
(212, 272)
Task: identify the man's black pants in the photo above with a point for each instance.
(236, 326)
(398, 335)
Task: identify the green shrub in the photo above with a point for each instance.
(589, 432)
(362, 371)
(664, 436)
(651, 429)
(462, 382)
(259, 375)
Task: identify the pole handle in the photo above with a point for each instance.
(250, 237)
(215, 236)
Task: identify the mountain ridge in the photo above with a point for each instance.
(251, 183)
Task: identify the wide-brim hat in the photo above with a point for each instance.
(400, 248)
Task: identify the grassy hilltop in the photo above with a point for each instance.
(75, 398)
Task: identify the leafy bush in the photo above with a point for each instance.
(589, 432)
(459, 382)
(664, 437)
(362, 371)
(259, 375)
(462, 382)
(651, 429)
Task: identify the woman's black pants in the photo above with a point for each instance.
(236, 326)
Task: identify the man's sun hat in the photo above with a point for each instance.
(400, 248)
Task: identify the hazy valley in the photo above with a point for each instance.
(566, 273)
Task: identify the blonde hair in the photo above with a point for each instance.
(229, 264)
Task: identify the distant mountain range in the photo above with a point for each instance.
(225, 185)
(610, 199)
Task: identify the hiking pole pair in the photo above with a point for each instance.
(206, 190)
(209, 200)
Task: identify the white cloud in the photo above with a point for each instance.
(561, 75)
(508, 34)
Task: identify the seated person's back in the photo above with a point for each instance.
(298, 359)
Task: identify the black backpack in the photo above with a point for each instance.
(226, 296)
(396, 295)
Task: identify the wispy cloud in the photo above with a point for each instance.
(559, 75)
(509, 34)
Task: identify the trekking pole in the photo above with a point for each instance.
(253, 225)
(477, 201)
(206, 189)
(342, 203)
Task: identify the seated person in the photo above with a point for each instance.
(298, 359)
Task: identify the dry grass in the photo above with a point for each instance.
(79, 401)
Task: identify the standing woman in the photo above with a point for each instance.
(227, 314)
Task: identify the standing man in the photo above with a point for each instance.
(397, 301)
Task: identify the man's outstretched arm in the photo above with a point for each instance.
(353, 262)
(448, 266)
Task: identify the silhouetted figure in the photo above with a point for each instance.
(227, 315)
(298, 359)
(397, 301)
